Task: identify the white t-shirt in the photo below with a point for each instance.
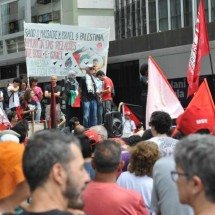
(128, 127)
(141, 184)
(165, 144)
(14, 99)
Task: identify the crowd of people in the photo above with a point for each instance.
(83, 171)
(79, 169)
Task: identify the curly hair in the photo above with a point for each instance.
(143, 157)
(161, 121)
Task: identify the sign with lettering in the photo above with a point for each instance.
(57, 49)
(179, 85)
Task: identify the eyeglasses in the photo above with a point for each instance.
(175, 175)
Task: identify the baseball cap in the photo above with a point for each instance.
(9, 132)
(127, 113)
(194, 119)
(9, 137)
(93, 136)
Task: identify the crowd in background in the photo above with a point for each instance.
(79, 169)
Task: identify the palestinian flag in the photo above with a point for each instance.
(136, 112)
(74, 99)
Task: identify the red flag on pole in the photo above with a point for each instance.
(200, 113)
(199, 49)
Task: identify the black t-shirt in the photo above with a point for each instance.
(53, 212)
(85, 95)
(57, 88)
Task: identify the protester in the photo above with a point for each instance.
(89, 98)
(99, 86)
(160, 123)
(106, 91)
(143, 87)
(103, 195)
(13, 94)
(12, 117)
(165, 198)
(23, 88)
(140, 129)
(22, 129)
(194, 175)
(14, 189)
(133, 140)
(128, 125)
(54, 169)
(139, 174)
(147, 134)
(87, 151)
(29, 105)
(71, 92)
(57, 93)
(38, 95)
(101, 131)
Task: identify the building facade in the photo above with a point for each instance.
(13, 13)
(159, 28)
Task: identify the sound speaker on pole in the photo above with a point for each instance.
(113, 124)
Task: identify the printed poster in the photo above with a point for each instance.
(54, 49)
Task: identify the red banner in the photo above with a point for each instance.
(200, 48)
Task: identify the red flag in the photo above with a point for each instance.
(135, 112)
(200, 113)
(199, 49)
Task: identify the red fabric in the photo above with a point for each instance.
(200, 48)
(93, 136)
(200, 113)
(132, 115)
(107, 83)
(109, 198)
(3, 127)
(77, 102)
(19, 112)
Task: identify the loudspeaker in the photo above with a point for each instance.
(113, 124)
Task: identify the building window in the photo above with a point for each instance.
(15, 45)
(8, 72)
(129, 19)
(133, 18)
(138, 18)
(187, 13)
(163, 15)
(212, 11)
(12, 17)
(152, 16)
(175, 8)
(143, 10)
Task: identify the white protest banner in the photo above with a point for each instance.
(57, 49)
